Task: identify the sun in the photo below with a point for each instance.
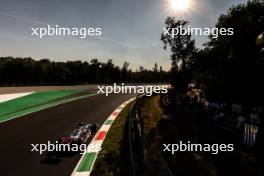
(179, 5)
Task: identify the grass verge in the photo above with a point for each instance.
(24, 104)
(151, 113)
(112, 160)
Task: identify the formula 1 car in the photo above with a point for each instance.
(80, 135)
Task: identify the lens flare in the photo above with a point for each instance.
(180, 4)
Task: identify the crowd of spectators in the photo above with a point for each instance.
(238, 112)
(200, 108)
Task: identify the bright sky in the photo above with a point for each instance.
(132, 28)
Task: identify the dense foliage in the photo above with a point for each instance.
(26, 71)
(230, 67)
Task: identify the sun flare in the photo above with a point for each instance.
(180, 5)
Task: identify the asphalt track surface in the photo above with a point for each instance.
(16, 158)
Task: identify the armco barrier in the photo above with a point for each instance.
(135, 136)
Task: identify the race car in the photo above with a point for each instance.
(80, 135)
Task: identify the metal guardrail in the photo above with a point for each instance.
(132, 166)
(136, 137)
(134, 134)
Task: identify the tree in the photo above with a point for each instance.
(124, 72)
(26, 71)
(95, 66)
(160, 69)
(230, 67)
(182, 48)
(155, 68)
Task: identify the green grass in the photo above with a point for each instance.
(30, 101)
(87, 162)
(115, 135)
(111, 158)
(151, 113)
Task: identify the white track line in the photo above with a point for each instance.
(7, 97)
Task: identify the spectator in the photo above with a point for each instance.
(237, 108)
(240, 121)
(254, 118)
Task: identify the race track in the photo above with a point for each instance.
(16, 135)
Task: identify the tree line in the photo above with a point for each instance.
(227, 68)
(27, 71)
